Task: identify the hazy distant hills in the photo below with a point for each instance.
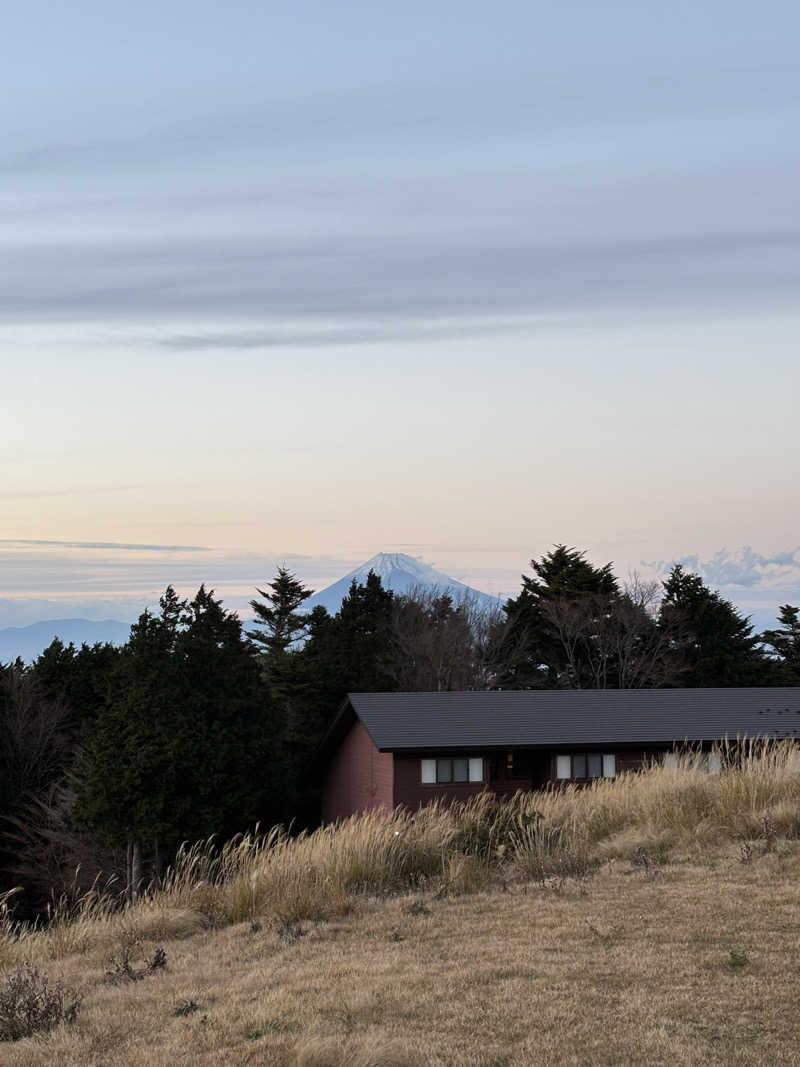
(397, 571)
(28, 642)
(401, 573)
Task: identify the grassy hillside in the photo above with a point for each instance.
(648, 920)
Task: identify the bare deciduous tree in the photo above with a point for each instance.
(439, 644)
(34, 745)
(615, 641)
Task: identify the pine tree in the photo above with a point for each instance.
(784, 643)
(718, 644)
(282, 626)
(189, 743)
(80, 677)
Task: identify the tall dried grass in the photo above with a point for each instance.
(278, 877)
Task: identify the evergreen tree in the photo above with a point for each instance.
(282, 628)
(35, 750)
(347, 652)
(362, 637)
(530, 653)
(718, 644)
(80, 677)
(189, 744)
(784, 643)
(282, 625)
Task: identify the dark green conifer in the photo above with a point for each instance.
(718, 645)
(784, 643)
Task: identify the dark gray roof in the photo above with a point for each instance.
(398, 721)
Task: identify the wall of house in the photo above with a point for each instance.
(626, 758)
(358, 778)
(411, 793)
(528, 770)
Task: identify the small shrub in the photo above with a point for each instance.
(185, 1007)
(121, 969)
(290, 931)
(738, 958)
(746, 853)
(643, 861)
(417, 907)
(30, 1004)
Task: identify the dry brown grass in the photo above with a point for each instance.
(627, 969)
(648, 920)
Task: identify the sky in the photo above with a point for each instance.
(301, 282)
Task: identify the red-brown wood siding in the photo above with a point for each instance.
(358, 778)
(411, 793)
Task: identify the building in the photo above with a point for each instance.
(385, 749)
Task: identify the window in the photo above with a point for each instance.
(712, 764)
(585, 765)
(456, 769)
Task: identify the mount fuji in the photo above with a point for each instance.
(402, 574)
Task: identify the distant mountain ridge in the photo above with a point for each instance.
(28, 642)
(402, 574)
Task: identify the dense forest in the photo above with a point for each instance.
(111, 757)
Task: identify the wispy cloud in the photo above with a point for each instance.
(43, 494)
(542, 103)
(121, 545)
(371, 288)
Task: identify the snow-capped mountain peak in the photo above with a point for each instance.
(400, 573)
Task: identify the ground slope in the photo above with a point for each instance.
(692, 962)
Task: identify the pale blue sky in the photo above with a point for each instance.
(317, 280)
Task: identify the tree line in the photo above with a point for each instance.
(110, 757)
